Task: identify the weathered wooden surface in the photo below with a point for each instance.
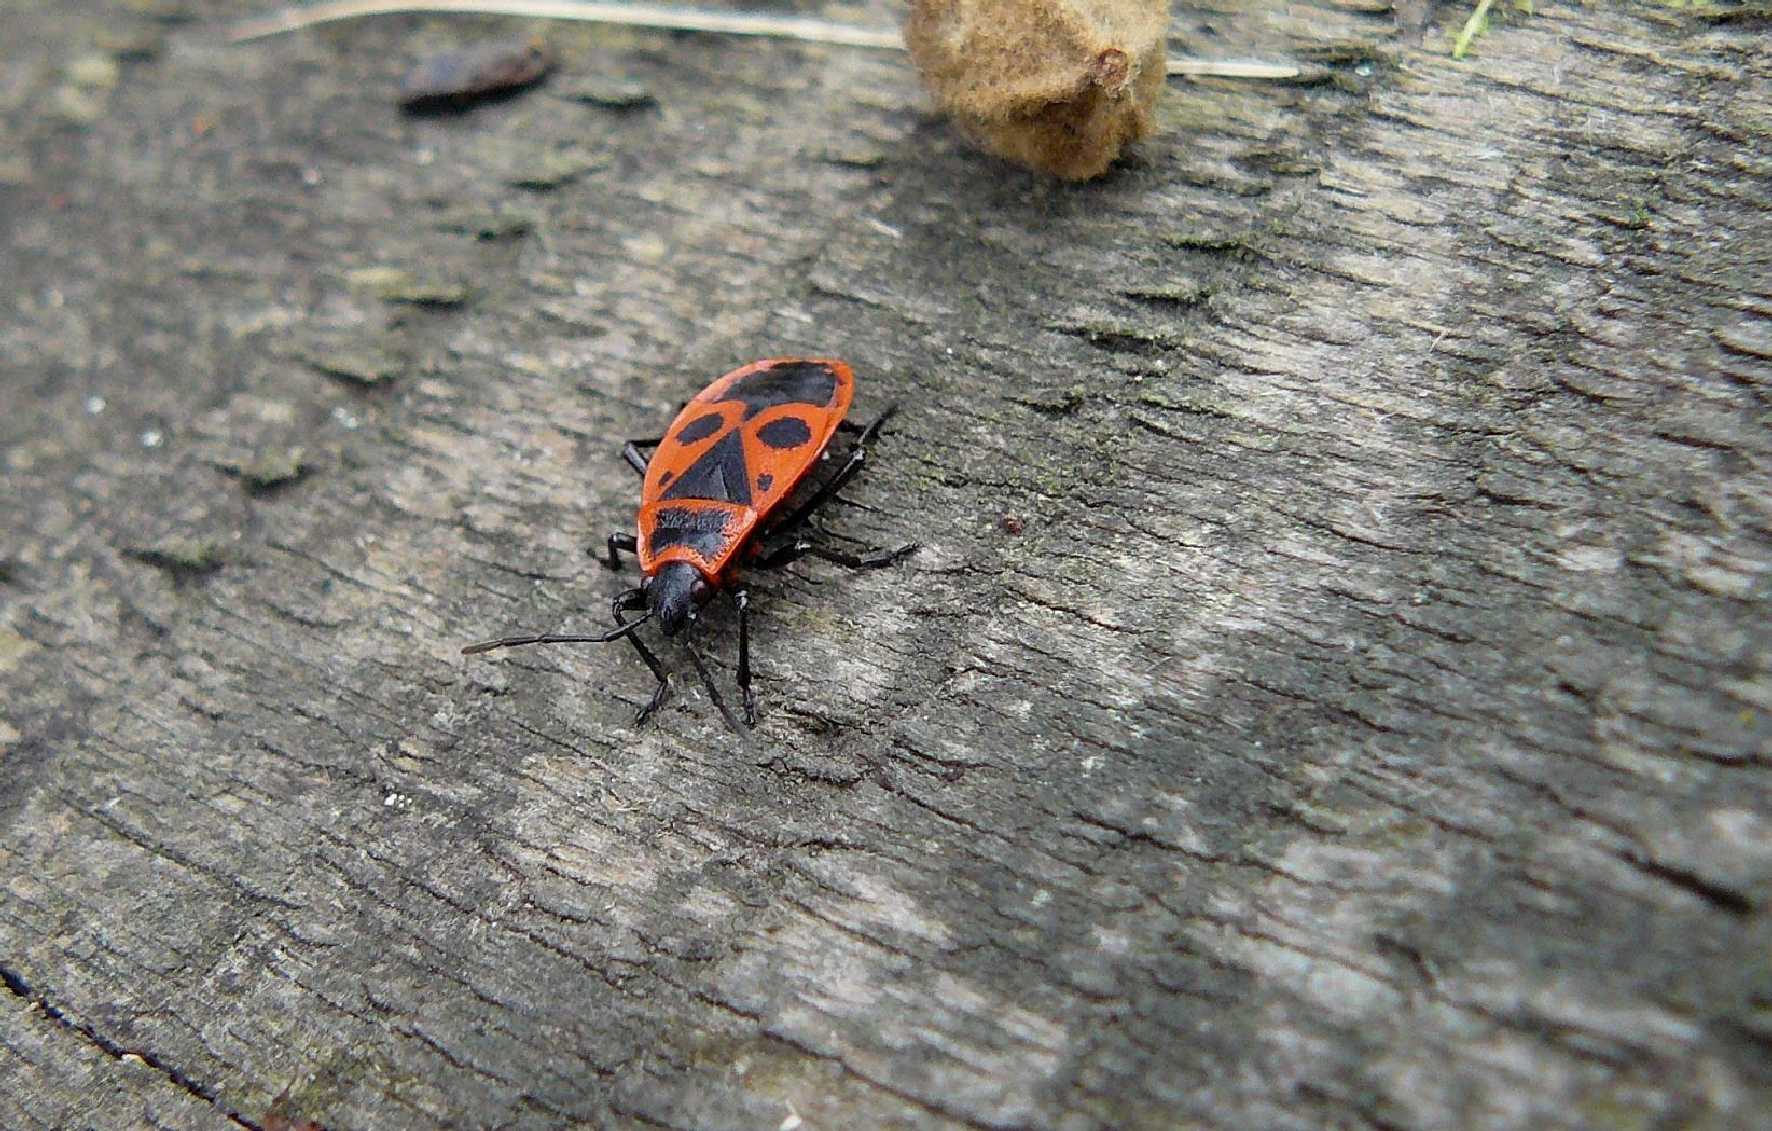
(1368, 726)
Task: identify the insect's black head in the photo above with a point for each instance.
(675, 594)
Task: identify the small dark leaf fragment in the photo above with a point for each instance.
(1747, 14)
(438, 293)
(360, 366)
(456, 79)
(554, 169)
(391, 284)
(183, 558)
(496, 224)
(131, 45)
(271, 470)
(611, 95)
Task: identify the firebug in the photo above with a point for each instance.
(713, 500)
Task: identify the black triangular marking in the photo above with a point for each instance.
(719, 474)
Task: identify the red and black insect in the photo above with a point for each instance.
(712, 490)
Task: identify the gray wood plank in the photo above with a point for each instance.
(1334, 690)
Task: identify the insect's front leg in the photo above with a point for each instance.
(625, 601)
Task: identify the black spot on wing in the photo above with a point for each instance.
(704, 532)
(700, 428)
(720, 474)
(787, 433)
(765, 481)
(792, 382)
(665, 477)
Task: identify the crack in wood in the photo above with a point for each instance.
(18, 987)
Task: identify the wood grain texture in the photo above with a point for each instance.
(1369, 724)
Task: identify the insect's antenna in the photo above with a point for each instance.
(708, 682)
(557, 638)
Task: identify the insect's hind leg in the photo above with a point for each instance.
(868, 431)
(851, 467)
(798, 548)
(625, 601)
(794, 551)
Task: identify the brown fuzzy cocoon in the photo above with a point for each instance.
(1057, 85)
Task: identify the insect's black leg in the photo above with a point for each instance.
(798, 548)
(619, 541)
(741, 597)
(844, 474)
(782, 555)
(869, 431)
(630, 451)
(794, 551)
(624, 601)
(879, 559)
(707, 681)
